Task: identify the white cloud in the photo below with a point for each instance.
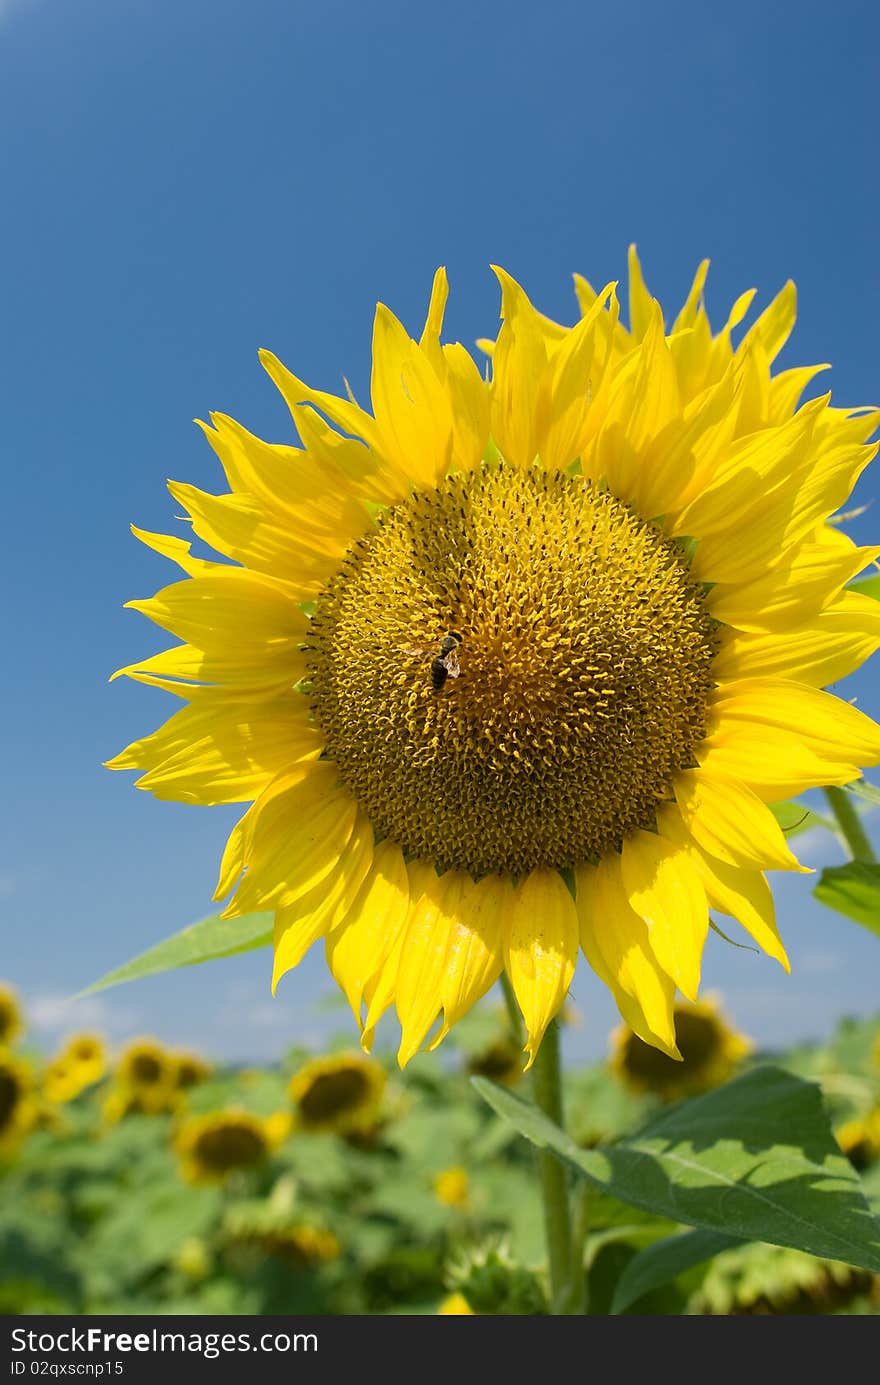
(51, 1014)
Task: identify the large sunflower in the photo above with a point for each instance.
(511, 668)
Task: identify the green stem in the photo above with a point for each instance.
(850, 825)
(547, 1088)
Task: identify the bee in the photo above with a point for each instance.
(445, 663)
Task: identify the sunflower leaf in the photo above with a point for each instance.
(795, 818)
(663, 1261)
(755, 1159)
(854, 890)
(866, 586)
(205, 941)
(862, 789)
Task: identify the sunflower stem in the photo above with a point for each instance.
(850, 825)
(547, 1090)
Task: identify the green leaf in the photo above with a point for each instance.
(204, 941)
(755, 1159)
(795, 818)
(664, 1260)
(862, 789)
(866, 586)
(854, 890)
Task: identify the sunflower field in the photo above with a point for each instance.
(151, 1181)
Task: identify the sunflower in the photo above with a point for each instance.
(11, 1021)
(710, 1050)
(146, 1082)
(499, 1061)
(342, 1093)
(81, 1063)
(452, 1187)
(859, 1139)
(18, 1109)
(510, 668)
(189, 1070)
(215, 1146)
(455, 1305)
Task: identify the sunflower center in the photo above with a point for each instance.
(698, 1040)
(510, 669)
(145, 1069)
(332, 1092)
(230, 1147)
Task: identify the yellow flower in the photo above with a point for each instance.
(452, 1187)
(148, 1072)
(500, 1062)
(193, 1259)
(11, 1022)
(301, 1246)
(81, 1063)
(189, 1070)
(342, 1092)
(18, 1109)
(455, 1304)
(213, 1147)
(859, 1139)
(513, 668)
(710, 1051)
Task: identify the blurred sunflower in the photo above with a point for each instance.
(145, 1081)
(18, 1107)
(301, 1246)
(80, 1064)
(710, 1050)
(189, 1070)
(452, 1187)
(514, 667)
(341, 1092)
(213, 1147)
(455, 1305)
(859, 1139)
(499, 1061)
(11, 1020)
(766, 1279)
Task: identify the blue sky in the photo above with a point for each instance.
(184, 183)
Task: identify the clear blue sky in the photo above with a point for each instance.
(186, 182)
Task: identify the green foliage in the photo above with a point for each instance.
(205, 941)
(97, 1217)
(755, 1159)
(854, 890)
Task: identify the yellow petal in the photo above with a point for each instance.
(641, 303)
(519, 365)
(412, 408)
(359, 945)
(292, 838)
(474, 955)
(664, 889)
(792, 592)
(743, 895)
(423, 960)
(731, 822)
(540, 950)
(782, 737)
(614, 940)
(221, 749)
(299, 925)
(178, 550)
(380, 989)
(818, 652)
(229, 606)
